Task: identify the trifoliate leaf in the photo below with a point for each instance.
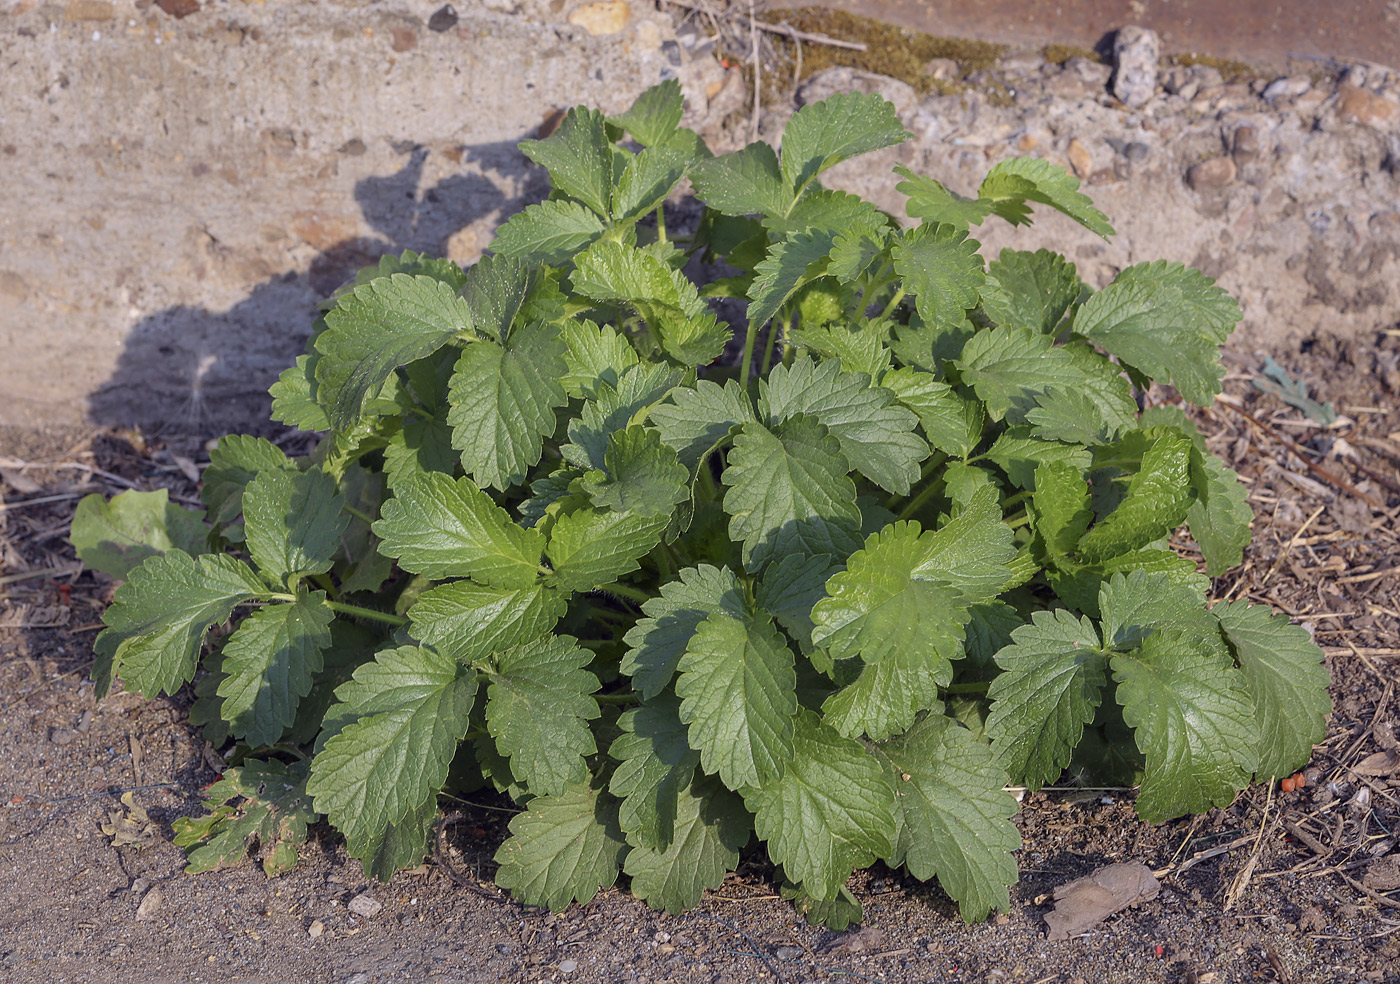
(613, 408)
(830, 813)
(789, 491)
(273, 815)
(442, 528)
(738, 694)
(655, 763)
(941, 268)
(503, 402)
(578, 156)
(595, 357)
(710, 827)
(887, 696)
(952, 422)
(235, 462)
(1037, 289)
(796, 260)
(1193, 718)
(268, 666)
(837, 915)
(655, 114)
(952, 814)
(1283, 669)
(293, 522)
(548, 232)
(1019, 455)
(1052, 684)
(790, 587)
(698, 419)
(380, 326)
(159, 616)
(386, 764)
(824, 134)
(746, 182)
(496, 290)
(562, 849)
(1012, 183)
(1156, 503)
(876, 436)
(936, 205)
(590, 547)
(470, 620)
(638, 475)
(657, 643)
(115, 536)
(1010, 365)
(1219, 519)
(1060, 507)
(648, 180)
(538, 708)
(1166, 320)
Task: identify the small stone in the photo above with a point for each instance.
(89, 10)
(179, 8)
(787, 952)
(354, 147)
(1312, 920)
(443, 19)
(315, 929)
(568, 966)
(646, 35)
(1002, 919)
(941, 69)
(1286, 88)
(405, 39)
(1021, 62)
(1180, 81)
(147, 909)
(139, 886)
(1244, 145)
(601, 16)
(358, 978)
(1217, 172)
(1137, 151)
(1356, 105)
(1135, 52)
(1026, 143)
(365, 905)
(1088, 71)
(12, 286)
(1080, 159)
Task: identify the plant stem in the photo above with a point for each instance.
(660, 223)
(388, 618)
(617, 698)
(359, 514)
(967, 688)
(894, 303)
(625, 591)
(917, 503)
(750, 336)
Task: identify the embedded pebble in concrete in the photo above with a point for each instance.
(1135, 52)
(1217, 172)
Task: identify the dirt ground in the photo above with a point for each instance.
(1313, 873)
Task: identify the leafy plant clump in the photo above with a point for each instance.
(910, 551)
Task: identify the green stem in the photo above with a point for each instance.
(774, 329)
(388, 618)
(918, 502)
(894, 303)
(967, 688)
(625, 591)
(617, 698)
(660, 224)
(359, 514)
(750, 337)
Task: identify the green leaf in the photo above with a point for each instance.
(860, 348)
(293, 522)
(503, 403)
(1012, 183)
(638, 474)
(655, 765)
(1069, 415)
(746, 182)
(1019, 455)
(936, 205)
(1157, 501)
(591, 547)
(836, 915)
(1060, 507)
(1009, 366)
(578, 156)
(824, 134)
(294, 397)
(1052, 685)
(1193, 718)
(115, 536)
(548, 232)
(823, 209)
(380, 326)
(595, 357)
(941, 268)
(698, 419)
(268, 666)
(470, 620)
(1220, 517)
(876, 436)
(442, 528)
(402, 845)
(953, 814)
(274, 815)
(952, 422)
(789, 491)
(657, 643)
(789, 588)
(160, 615)
(423, 446)
(613, 408)
(496, 291)
(1138, 603)
(655, 114)
(797, 260)
(1166, 320)
(887, 696)
(648, 180)
(1037, 289)
(414, 705)
(737, 688)
(831, 812)
(562, 849)
(1283, 669)
(710, 826)
(235, 462)
(538, 708)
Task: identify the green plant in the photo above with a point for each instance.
(912, 548)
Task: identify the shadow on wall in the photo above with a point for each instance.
(188, 370)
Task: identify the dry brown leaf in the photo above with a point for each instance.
(131, 827)
(1085, 902)
(1385, 763)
